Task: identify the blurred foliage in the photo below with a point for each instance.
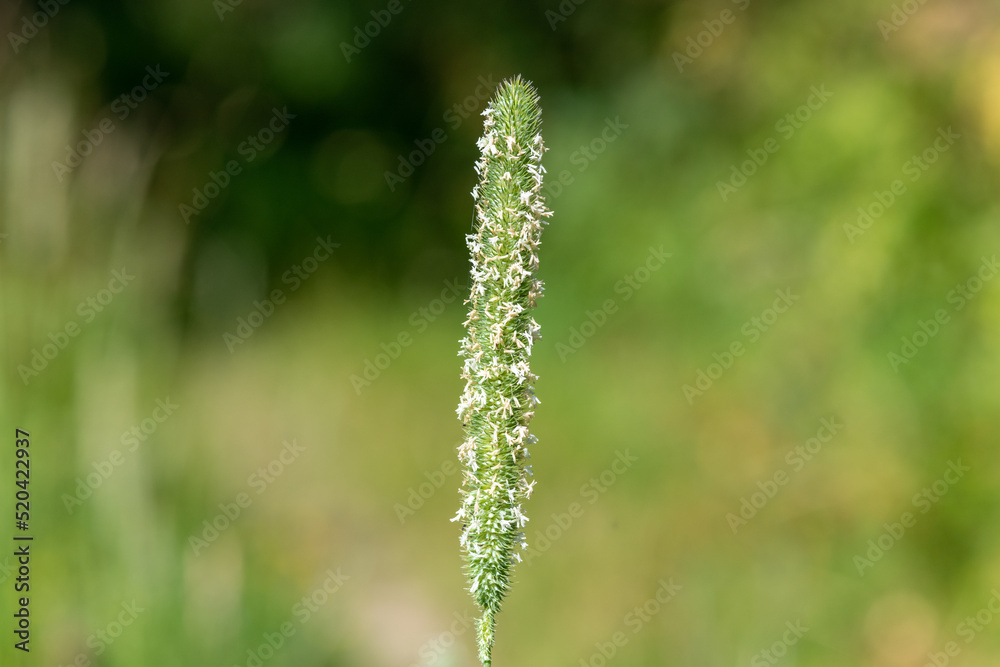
(368, 452)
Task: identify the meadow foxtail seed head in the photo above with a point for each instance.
(499, 400)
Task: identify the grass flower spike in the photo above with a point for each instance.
(499, 401)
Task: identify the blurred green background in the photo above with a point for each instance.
(649, 109)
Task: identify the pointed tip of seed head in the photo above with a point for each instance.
(517, 82)
(513, 119)
(517, 89)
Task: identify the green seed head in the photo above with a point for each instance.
(499, 402)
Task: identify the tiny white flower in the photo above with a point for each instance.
(521, 519)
